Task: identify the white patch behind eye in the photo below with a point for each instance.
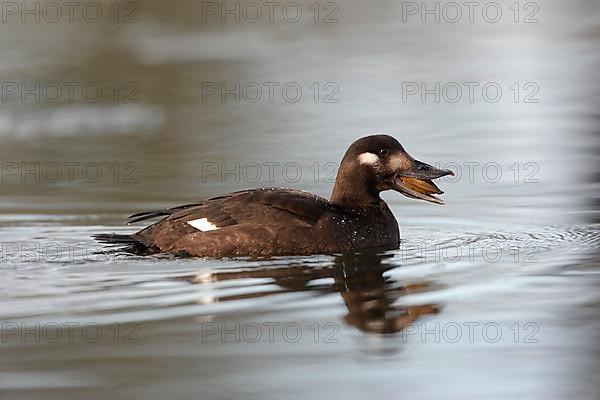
(368, 158)
(203, 225)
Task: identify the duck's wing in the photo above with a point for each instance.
(146, 215)
(250, 208)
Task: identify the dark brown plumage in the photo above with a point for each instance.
(276, 221)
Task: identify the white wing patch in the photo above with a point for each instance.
(203, 225)
(368, 158)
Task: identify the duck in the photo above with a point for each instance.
(272, 222)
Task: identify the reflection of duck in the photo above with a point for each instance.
(367, 293)
(270, 222)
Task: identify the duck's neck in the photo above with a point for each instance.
(351, 191)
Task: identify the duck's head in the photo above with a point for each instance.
(377, 163)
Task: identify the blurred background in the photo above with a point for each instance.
(114, 107)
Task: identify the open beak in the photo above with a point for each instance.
(417, 181)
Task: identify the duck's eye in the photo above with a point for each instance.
(384, 152)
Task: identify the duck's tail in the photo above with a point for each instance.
(127, 243)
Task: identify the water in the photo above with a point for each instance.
(493, 295)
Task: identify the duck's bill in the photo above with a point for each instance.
(417, 182)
